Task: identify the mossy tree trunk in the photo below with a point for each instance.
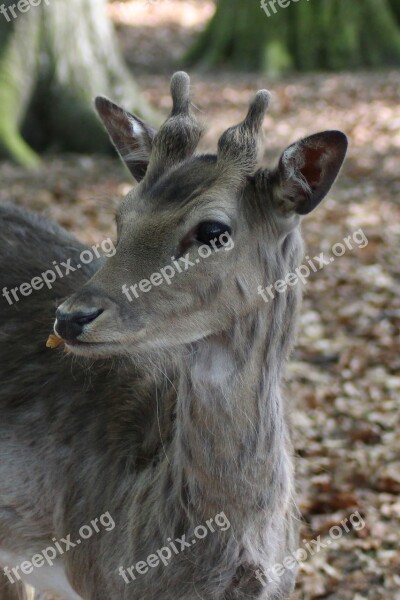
(53, 60)
(395, 6)
(306, 35)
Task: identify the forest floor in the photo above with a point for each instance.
(344, 378)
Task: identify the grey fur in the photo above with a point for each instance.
(177, 413)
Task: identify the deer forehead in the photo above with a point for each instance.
(193, 189)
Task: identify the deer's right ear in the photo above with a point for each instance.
(132, 138)
(307, 171)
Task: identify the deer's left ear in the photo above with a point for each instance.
(307, 170)
(132, 138)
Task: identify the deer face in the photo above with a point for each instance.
(199, 234)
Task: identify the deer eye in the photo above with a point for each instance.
(211, 231)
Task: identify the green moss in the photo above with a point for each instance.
(306, 35)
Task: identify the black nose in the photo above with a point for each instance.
(70, 325)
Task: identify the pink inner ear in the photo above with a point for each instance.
(313, 165)
(116, 121)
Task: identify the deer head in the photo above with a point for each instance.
(222, 225)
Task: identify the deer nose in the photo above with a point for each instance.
(69, 326)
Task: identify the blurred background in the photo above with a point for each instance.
(331, 64)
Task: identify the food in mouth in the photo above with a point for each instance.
(53, 341)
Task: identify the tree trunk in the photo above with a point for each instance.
(306, 35)
(395, 6)
(53, 60)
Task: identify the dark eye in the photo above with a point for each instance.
(211, 231)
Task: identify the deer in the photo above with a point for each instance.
(166, 411)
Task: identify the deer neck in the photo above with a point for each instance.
(232, 431)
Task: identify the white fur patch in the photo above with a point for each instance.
(137, 129)
(50, 579)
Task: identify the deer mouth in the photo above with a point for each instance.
(106, 348)
(81, 347)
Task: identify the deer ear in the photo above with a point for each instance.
(131, 137)
(307, 170)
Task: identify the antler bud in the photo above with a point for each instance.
(180, 92)
(178, 137)
(239, 145)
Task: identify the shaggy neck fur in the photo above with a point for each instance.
(232, 427)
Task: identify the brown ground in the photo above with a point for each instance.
(344, 380)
